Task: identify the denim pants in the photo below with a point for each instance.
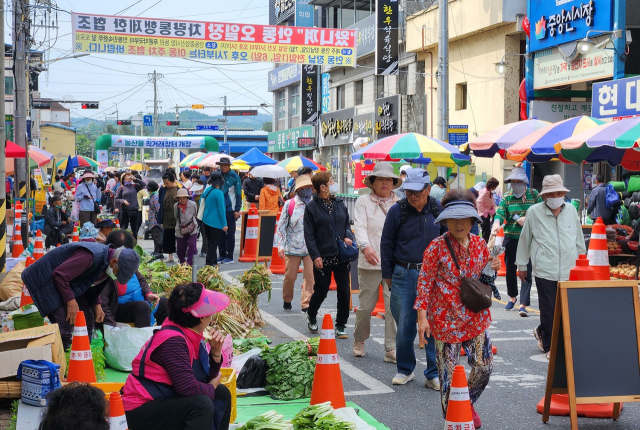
(404, 285)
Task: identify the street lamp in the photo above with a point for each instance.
(78, 55)
(503, 66)
(586, 45)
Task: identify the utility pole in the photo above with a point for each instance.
(225, 123)
(443, 71)
(3, 191)
(154, 78)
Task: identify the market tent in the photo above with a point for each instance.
(12, 150)
(498, 140)
(254, 157)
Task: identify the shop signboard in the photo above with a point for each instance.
(387, 34)
(284, 76)
(281, 11)
(556, 22)
(336, 128)
(306, 142)
(8, 126)
(387, 116)
(309, 111)
(617, 99)
(304, 14)
(363, 168)
(458, 134)
(287, 140)
(366, 41)
(326, 92)
(558, 111)
(550, 69)
(363, 126)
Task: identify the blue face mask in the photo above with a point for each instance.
(305, 194)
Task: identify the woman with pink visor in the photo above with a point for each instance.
(175, 383)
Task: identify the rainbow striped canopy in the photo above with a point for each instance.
(504, 137)
(294, 163)
(190, 159)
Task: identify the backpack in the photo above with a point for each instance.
(612, 197)
(404, 212)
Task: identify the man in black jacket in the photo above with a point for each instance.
(251, 187)
(54, 221)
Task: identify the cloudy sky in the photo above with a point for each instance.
(124, 80)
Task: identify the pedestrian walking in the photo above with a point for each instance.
(155, 229)
(512, 213)
(450, 258)
(214, 218)
(232, 191)
(486, 206)
(408, 230)
(127, 199)
(252, 187)
(185, 211)
(196, 191)
(598, 203)
(167, 195)
(291, 245)
(270, 197)
(326, 219)
(438, 189)
(87, 195)
(552, 240)
(370, 213)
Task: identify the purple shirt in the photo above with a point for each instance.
(76, 265)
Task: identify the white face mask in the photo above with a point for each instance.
(555, 202)
(111, 274)
(88, 181)
(334, 188)
(518, 189)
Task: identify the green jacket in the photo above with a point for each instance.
(553, 244)
(512, 205)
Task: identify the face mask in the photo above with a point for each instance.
(111, 274)
(59, 206)
(88, 181)
(334, 188)
(305, 194)
(518, 189)
(555, 202)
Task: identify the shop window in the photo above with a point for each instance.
(340, 97)
(282, 107)
(294, 100)
(461, 96)
(358, 88)
(8, 85)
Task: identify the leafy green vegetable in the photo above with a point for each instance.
(13, 419)
(290, 374)
(268, 421)
(314, 343)
(244, 345)
(320, 416)
(141, 252)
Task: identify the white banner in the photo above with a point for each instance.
(120, 141)
(102, 157)
(550, 69)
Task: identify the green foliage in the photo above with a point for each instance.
(244, 345)
(320, 417)
(290, 374)
(267, 126)
(13, 419)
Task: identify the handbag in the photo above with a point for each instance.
(475, 295)
(346, 253)
(186, 228)
(203, 200)
(96, 205)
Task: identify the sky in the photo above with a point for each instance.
(120, 79)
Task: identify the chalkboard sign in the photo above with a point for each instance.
(596, 326)
(266, 233)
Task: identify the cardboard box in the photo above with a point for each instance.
(38, 343)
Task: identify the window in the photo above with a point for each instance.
(340, 98)
(281, 105)
(294, 100)
(461, 96)
(403, 81)
(8, 85)
(379, 86)
(359, 86)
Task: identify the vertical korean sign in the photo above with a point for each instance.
(326, 92)
(387, 31)
(309, 114)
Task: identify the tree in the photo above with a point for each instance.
(85, 146)
(267, 126)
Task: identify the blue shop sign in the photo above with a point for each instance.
(616, 99)
(554, 22)
(284, 76)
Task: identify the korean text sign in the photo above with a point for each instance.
(557, 22)
(387, 115)
(152, 37)
(156, 142)
(616, 99)
(309, 112)
(387, 14)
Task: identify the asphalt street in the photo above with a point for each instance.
(509, 401)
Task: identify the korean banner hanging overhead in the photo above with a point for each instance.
(104, 34)
(387, 13)
(309, 114)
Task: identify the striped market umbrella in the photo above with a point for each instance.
(186, 161)
(411, 146)
(82, 162)
(294, 163)
(358, 156)
(37, 158)
(211, 160)
(539, 146)
(504, 137)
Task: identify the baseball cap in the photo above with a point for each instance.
(416, 180)
(128, 262)
(209, 303)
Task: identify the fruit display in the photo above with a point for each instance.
(614, 248)
(623, 271)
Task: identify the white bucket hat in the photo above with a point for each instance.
(518, 174)
(383, 170)
(552, 184)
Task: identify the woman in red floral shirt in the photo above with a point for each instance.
(440, 311)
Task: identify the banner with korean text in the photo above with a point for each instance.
(104, 34)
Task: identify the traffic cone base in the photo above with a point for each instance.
(327, 380)
(80, 358)
(250, 236)
(117, 418)
(277, 265)
(459, 406)
(560, 407)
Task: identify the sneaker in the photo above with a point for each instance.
(341, 332)
(538, 337)
(286, 306)
(221, 260)
(548, 354)
(304, 310)
(390, 356)
(401, 379)
(169, 260)
(227, 261)
(509, 306)
(358, 348)
(523, 312)
(434, 384)
(477, 423)
(202, 255)
(312, 325)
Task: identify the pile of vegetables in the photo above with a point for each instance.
(321, 417)
(256, 281)
(211, 279)
(268, 421)
(245, 345)
(290, 374)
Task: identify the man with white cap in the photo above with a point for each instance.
(403, 176)
(552, 237)
(511, 212)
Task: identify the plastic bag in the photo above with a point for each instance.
(227, 351)
(254, 373)
(239, 361)
(123, 344)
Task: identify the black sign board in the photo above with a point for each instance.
(387, 116)
(266, 234)
(366, 35)
(387, 13)
(310, 86)
(363, 126)
(240, 112)
(610, 312)
(306, 142)
(41, 105)
(336, 128)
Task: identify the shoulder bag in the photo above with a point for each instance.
(346, 253)
(96, 205)
(188, 227)
(203, 200)
(475, 295)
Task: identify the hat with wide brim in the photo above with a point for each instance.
(106, 223)
(224, 160)
(518, 174)
(196, 187)
(382, 170)
(88, 175)
(458, 209)
(210, 302)
(553, 184)
(303, 181)
(123, 175)
(182, 192)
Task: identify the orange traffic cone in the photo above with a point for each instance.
(378, 311)
(117, 223)
(117, 418)
(560, 407)
(251, 236)
(80, 359)
(76, 235)
(333, 286)
(26, 299)
(499, 241)
(277, 265)
(598, 255)
(18, 247)
(582, 271)
(17, 212)
(38, 250)
(459, 408)
(327, 381)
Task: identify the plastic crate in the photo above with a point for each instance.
(228, 378)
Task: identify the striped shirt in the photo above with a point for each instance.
(512, 205)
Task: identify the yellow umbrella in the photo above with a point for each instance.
(139, 166)
(240, 165)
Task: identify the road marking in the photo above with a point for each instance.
(374, 386)
(506, 339)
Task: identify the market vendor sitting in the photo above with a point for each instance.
(175, 383)
(133, 302)
(104, 227)
(54, 222)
